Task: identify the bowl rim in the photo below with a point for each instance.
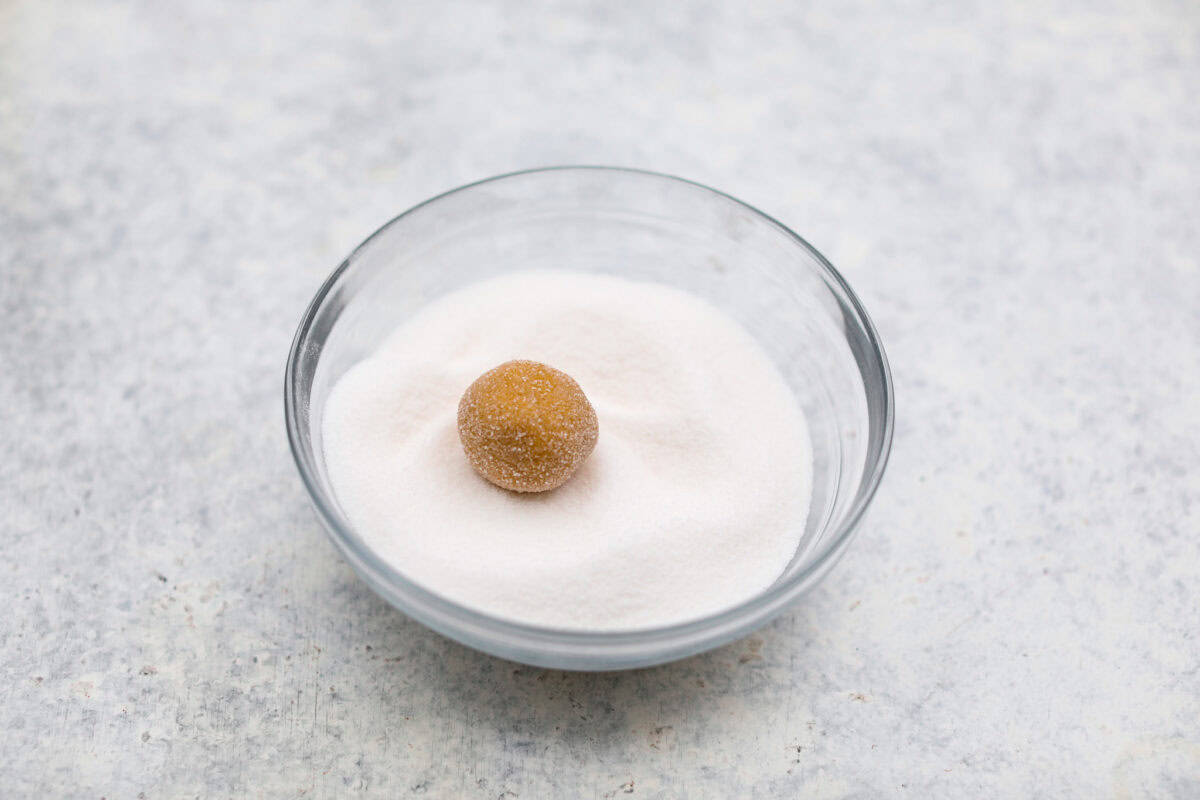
(772, 600)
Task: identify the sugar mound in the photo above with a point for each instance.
(693, 500)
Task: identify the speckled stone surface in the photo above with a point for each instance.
(1014, 190)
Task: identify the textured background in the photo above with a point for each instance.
(1014, 190)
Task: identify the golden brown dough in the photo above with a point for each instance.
(526, 426)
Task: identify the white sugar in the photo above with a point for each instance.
(693, 500)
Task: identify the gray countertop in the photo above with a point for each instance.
(1014, 191)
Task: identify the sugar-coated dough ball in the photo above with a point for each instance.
(526, 426)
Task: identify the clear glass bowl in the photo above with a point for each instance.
(638, 225)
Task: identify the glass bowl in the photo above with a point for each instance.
(638, 225)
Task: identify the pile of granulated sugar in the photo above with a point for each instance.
(694, 499)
